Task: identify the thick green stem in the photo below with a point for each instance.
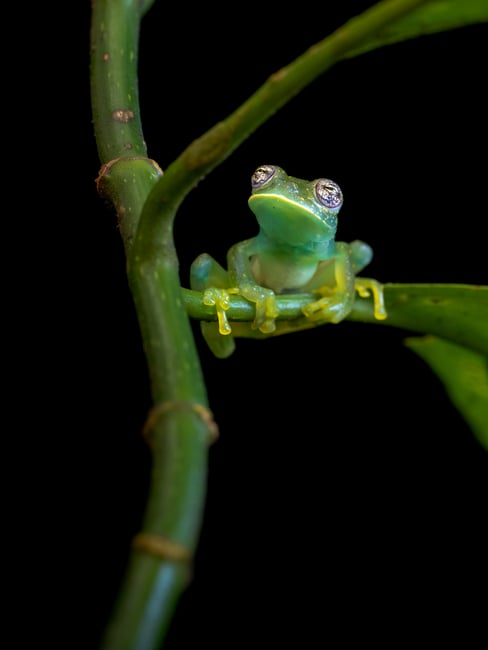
(115, 98)
(127, 175)
(180, 426)
(160, 566)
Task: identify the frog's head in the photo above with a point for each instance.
(293, 211)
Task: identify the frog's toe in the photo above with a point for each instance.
(318, 308)
(268, 326)
(266, 313)
(263, 323)
(365, 287)
(326, 310)
(221, 300)
(218, 297)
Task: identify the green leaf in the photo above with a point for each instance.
(435, 16)
(464, 374)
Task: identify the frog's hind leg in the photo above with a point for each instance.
(209, 277)
(361, 255)
(206, 272)
(221, 346)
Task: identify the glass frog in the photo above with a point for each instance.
(294, 252)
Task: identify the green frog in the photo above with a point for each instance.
(294, 252)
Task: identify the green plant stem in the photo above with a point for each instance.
(180, 426)
(127, 175)
(115, 96)
(456, 312)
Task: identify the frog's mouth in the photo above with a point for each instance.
(291, 220)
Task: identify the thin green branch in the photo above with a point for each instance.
(436, 16)
(455, 312)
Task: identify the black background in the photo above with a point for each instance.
(346, 496)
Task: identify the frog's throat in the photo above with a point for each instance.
(321, 247)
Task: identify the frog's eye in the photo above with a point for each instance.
(262, 175)
(328, 193)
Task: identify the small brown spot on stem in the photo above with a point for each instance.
(122, 115)
(106, 56)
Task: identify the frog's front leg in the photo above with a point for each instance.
(338, 289)
(244, 284)
(334, 282)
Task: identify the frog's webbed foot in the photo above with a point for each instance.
(332, 307)
(219, 298)
(266, 307)
(365, 287)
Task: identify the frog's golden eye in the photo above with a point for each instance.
(262, 175)
(328, 193)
